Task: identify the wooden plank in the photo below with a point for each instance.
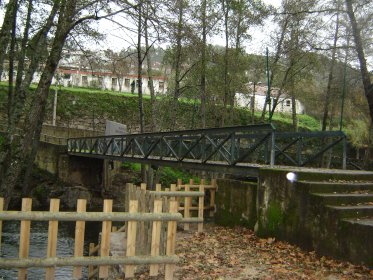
(201, 207)
(179, 183)
(207, 187)
(187, 205)
(87, 216)
(131, 240)
(212, 197)
(156, 238)
(171, 242)
(91, 253)
(1, 222)
(24, 241)
(143, 186)
(79, 237)
(84, 261)
(105, 238)
(173, 189)
(158, 187)
(52, 237)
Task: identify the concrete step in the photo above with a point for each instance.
(310, 174)
(337, 187)
(356, 239)
(351, 212)
(362, 222)
(344, 199)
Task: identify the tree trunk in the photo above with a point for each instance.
(330, 78)
(203, 66)
(36, 113)
(6, 30)
(276, 60)
(294, 113)
(252, 104)
(139, 68)
(177, 64)
(150, 78)
(226, 61)
(368, 87)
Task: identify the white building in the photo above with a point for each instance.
(257, 100)
(108, 81)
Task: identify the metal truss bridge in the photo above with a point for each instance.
(235, 150)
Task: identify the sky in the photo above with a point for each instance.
(117, 40)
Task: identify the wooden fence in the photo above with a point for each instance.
(103, 261)
(210, 193)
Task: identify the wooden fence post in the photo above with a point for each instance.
(156, 237)
(1, 222)
(179, 183)
(158, 187)
(105, 239)
(24, 241)
(201, 207)
(212, 197)
(173, 189)
(171, 241)
(90, 253)
(131, 239)
(52, 237)
(79, 237)
(187, 202)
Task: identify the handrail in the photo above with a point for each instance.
(219, 147)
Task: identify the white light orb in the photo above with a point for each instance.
(291, 176)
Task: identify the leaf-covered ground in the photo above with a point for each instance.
(225, 253)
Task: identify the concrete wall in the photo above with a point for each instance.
(235, 203)
(47, 157)
(282, 208)
(70, 169)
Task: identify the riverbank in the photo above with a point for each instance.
(238, 254)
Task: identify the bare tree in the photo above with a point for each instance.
(356, 33)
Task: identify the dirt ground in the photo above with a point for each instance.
(226, 253)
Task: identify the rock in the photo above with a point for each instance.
(72, 194)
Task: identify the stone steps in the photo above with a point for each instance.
(346, 216)
(344, 199)
(329, 175)
(356, 211)
(337, 187)
(362, 222)
(360, 233)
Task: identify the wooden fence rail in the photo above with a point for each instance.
(212, 188)
(26, 216)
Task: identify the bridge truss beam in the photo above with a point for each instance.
(240, 149)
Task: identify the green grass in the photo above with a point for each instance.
(168, 175)
(123, 107)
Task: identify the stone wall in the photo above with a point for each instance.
(235, 203)
(47, 157)
(282, 208)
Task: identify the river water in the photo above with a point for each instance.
(38, 246)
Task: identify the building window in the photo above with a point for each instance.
(161, 86)
(100, 81)
(114, 82)
(127, 83)
(84, 81)
(288, 103)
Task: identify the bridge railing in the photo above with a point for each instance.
(230, 146)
